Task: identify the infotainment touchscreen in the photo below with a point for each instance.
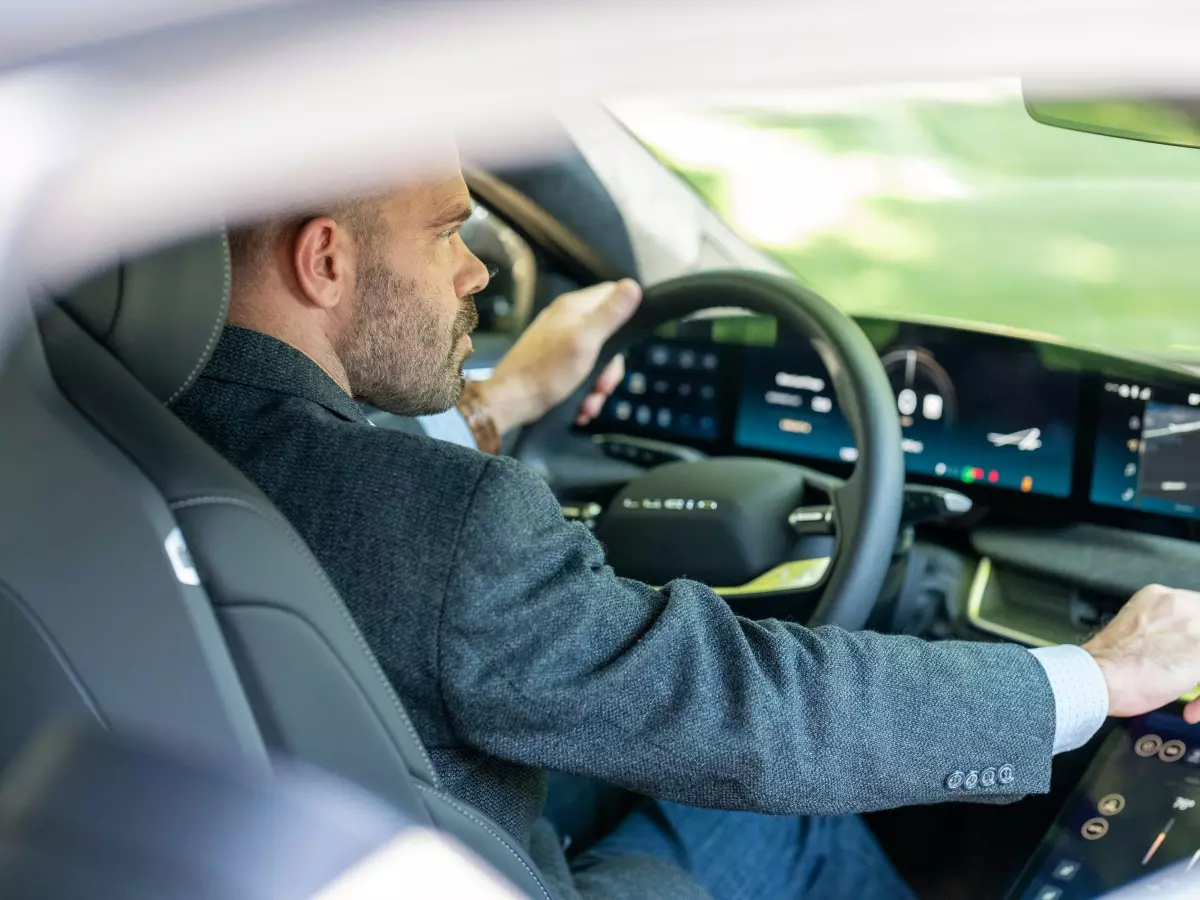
(1148, 449)
(1132, 826)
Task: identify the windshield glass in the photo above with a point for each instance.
(949, 201)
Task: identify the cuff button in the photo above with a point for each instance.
(987, 777)
(955, 780)
(1006, 774)
(972, 781)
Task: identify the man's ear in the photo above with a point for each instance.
(323, 259)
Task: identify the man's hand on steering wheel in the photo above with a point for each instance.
(557, 352)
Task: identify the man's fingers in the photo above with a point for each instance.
(1191, 712)
(616, 308)
(611, 377)
(590, 408)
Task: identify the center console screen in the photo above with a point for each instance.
(1148, 449)
(1132, 826)
(973, 407)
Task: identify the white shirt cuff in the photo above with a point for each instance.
(449, 426)
(1080, 694)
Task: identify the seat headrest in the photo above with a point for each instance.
(160, 314)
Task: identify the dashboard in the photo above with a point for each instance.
(1020, 423)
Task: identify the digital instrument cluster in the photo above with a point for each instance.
(972, 408)
(992, 411)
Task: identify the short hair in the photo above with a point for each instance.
(251, 246)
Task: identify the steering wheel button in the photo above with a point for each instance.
(954, 781)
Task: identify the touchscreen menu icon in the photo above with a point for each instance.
(1172, 751)
(1066, 870)
(1148, 745)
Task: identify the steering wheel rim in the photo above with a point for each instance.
(869, 503)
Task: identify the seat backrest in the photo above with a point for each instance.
(146, 583)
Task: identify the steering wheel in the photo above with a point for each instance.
(664, 513)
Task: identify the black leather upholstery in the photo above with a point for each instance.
(162, 315)
(261, 651)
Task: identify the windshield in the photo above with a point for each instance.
(949, 201)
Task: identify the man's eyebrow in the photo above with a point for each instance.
(453, 215)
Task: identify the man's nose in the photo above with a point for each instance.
(475, 276)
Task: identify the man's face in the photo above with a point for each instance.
(413, 309)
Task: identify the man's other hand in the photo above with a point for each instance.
(1150, 653)
(557, 351)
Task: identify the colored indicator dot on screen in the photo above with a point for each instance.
(1027, 484)
(977, 473)
(968, 474)
(993, 476)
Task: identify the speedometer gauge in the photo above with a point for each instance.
(923, 389)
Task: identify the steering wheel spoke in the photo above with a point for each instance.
(810, 520)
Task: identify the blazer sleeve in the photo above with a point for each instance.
(547, 658)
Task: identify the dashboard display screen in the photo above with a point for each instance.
(1132, 827)
(1148, 449)
(973, 408)
(672, 389)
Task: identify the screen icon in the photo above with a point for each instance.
(1130, 470)
(1123, 390)
(1048, 892)
(1127, 495)
(1148, 746)
(931, 406)
(906, 402)
(1172, 751)
(821, 404)
(1193, 399)
(1094, 829)
(1026, 439)
(637, 383)
(1027, 484)
(624, 409)
(1066, 870)
(939, 469)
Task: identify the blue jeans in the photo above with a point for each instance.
(733, 855)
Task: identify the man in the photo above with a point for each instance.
(516, 650)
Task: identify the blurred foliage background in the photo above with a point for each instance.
(948, 201)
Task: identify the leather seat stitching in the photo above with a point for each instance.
(484, 825)
(338, 603)
(217, 327)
